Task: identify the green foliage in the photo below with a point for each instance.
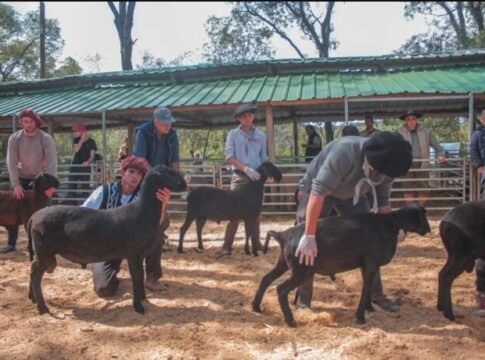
(452, 25)
(236, 38)
(20, 46)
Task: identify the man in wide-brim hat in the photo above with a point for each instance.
(420, 139)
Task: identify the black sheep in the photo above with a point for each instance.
(245, 203)
(365, 241)
(86, 235)
(462, 231)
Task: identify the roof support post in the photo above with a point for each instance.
(346, 110)
(474, 189)
(270, 132)
(131, 130)
(296, 152)
(470, 116)
(14, 124)
(50, 127)
(103, 127)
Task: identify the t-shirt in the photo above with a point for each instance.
(84, 152)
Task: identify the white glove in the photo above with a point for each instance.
(401, 235)
(307, 249)
(251, 173)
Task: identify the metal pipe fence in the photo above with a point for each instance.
(439, 186)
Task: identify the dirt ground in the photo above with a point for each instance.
(206, 311)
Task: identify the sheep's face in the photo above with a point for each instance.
(167, 178)
(44, 181)
(417, 219)
(269, 170)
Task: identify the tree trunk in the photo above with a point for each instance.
(124, 23)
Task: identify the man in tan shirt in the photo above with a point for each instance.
(29, 152)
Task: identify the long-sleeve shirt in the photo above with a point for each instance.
(337, 170)
(28, 156)
(248, 149)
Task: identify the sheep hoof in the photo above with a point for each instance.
(256, 308)
(449, 316)
(255, 253)
(180, 250)
(291, 323)
(139, 308)
(360, 320)
(43, 310)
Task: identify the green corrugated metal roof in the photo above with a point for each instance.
(282, 81)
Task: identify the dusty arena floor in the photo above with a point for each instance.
(206, 311)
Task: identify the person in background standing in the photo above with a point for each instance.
(420, 139)
(80, 170)
(313, 145)
(29, 152)
(245, 151)
(369, 130)
(477, 157)
(157, 142)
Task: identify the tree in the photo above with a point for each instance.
(68, 66)
(20, 48)
(453, 25)
(150, 61)
(257, 21)
(124, 23)
(236, 41)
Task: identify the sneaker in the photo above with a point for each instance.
(7, 249)
(481, 304)
(386, 304)
(155, 285)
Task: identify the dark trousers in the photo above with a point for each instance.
(81, 174)
(237, 181)
(153, 266)
(304, 292)
(13, 230)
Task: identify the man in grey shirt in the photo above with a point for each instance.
(29, 152)
(342, 174)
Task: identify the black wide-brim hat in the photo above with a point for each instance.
(410, 112)
(389, 154)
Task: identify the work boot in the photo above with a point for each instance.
(481, 304)
(7, 249)
(155, 285)
(384, 303)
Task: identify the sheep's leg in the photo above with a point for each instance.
(280, 268)
(248, 232)
(135, 265)
(297, 277)
(200, 222)
(37, 270)
(183, 230)
(454, 267)
(252, 232)
(368, 305)
(369, 273)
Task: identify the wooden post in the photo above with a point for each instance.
(296, 145)
(131, 130)
(270, 133)
(50, 127)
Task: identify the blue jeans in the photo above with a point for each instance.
(13, 230)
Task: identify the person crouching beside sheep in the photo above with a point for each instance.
(115, 194)
(343, 173)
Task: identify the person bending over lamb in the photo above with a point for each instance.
(341, 175)
(118, 193)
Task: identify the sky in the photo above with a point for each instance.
(170, 29)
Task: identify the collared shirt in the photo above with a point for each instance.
(248, 148)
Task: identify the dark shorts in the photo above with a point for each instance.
(422, 177)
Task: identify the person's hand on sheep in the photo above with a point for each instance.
(163, 195)
(251, 173)
(49, 192)
(18, 192)
(307, 250)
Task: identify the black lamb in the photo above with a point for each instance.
(245, 203)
